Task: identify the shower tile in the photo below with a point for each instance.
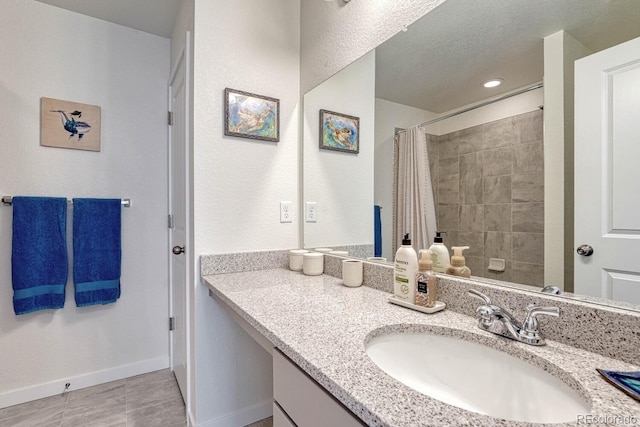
(497, 245)
(528, 157)
(448, 192)
(449, 238)
(448, 169)
(527, 188)
(528, 248)
(448, 145)
(499, 133)
(529, 126)
(528, 217)
(505, 275)
(448, 217)
(471, 165)
(432, 154)
(497, 217)
(470, 140)
(498, 162)
(497, 189)
(471, 192)
(528, 274)
(475, 264)
(471, 218)
(475, 241)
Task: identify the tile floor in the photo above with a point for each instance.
(147, 400)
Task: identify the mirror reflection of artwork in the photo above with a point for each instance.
(339, 132)
(251, 116)
(66, 124)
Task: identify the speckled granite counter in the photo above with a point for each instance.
(323, 327)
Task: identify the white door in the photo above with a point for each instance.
(178, 190)
(607, 173)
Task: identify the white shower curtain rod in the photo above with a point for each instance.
(481, 104)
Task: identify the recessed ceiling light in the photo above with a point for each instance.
(492, 83)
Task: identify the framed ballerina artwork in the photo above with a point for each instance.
(66, 124)
(248, 115)
(339, 132)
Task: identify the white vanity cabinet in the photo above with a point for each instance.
(300, 401)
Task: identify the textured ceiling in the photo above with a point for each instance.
(151, 16)
(439, 64)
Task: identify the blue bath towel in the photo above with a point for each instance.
(377, 230)
(39, 253)
(96, 250)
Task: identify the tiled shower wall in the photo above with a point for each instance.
(489, 185)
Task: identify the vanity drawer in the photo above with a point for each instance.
(304, 400)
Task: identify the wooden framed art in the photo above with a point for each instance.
(339, 132)
(248, 115)
(66, 124)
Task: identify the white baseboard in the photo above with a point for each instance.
(38, 391)
(242, 417)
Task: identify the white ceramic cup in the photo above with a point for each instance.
(352, 272)
(295, 259)
(376, 259)
(313, 263)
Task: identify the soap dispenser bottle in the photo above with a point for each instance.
(426, 281)
(458, 267)
(439, 254)
(404, 275)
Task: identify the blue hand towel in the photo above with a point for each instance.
(377, 230)
(39, 253)
(96, 250)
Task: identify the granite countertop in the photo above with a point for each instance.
(323, 326)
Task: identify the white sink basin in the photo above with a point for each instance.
(475, 377)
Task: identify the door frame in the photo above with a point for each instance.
(183, 57)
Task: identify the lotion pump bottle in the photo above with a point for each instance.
(439, 254)
(426, 281)
(458, 267)
(404, 275)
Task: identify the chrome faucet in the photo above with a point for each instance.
(507, 325)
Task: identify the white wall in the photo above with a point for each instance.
(238, 185)
(389, 116)
(518, 104)
(341, 183)
(560, 51)
(335, 33)
(50, 52)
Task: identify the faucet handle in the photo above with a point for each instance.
(530, 323)
(485, 311)
(480, 296)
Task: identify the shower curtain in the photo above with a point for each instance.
(414, 204)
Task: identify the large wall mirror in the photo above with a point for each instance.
(500, 159)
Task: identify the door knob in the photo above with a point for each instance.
(584, 250)
(177, 250)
